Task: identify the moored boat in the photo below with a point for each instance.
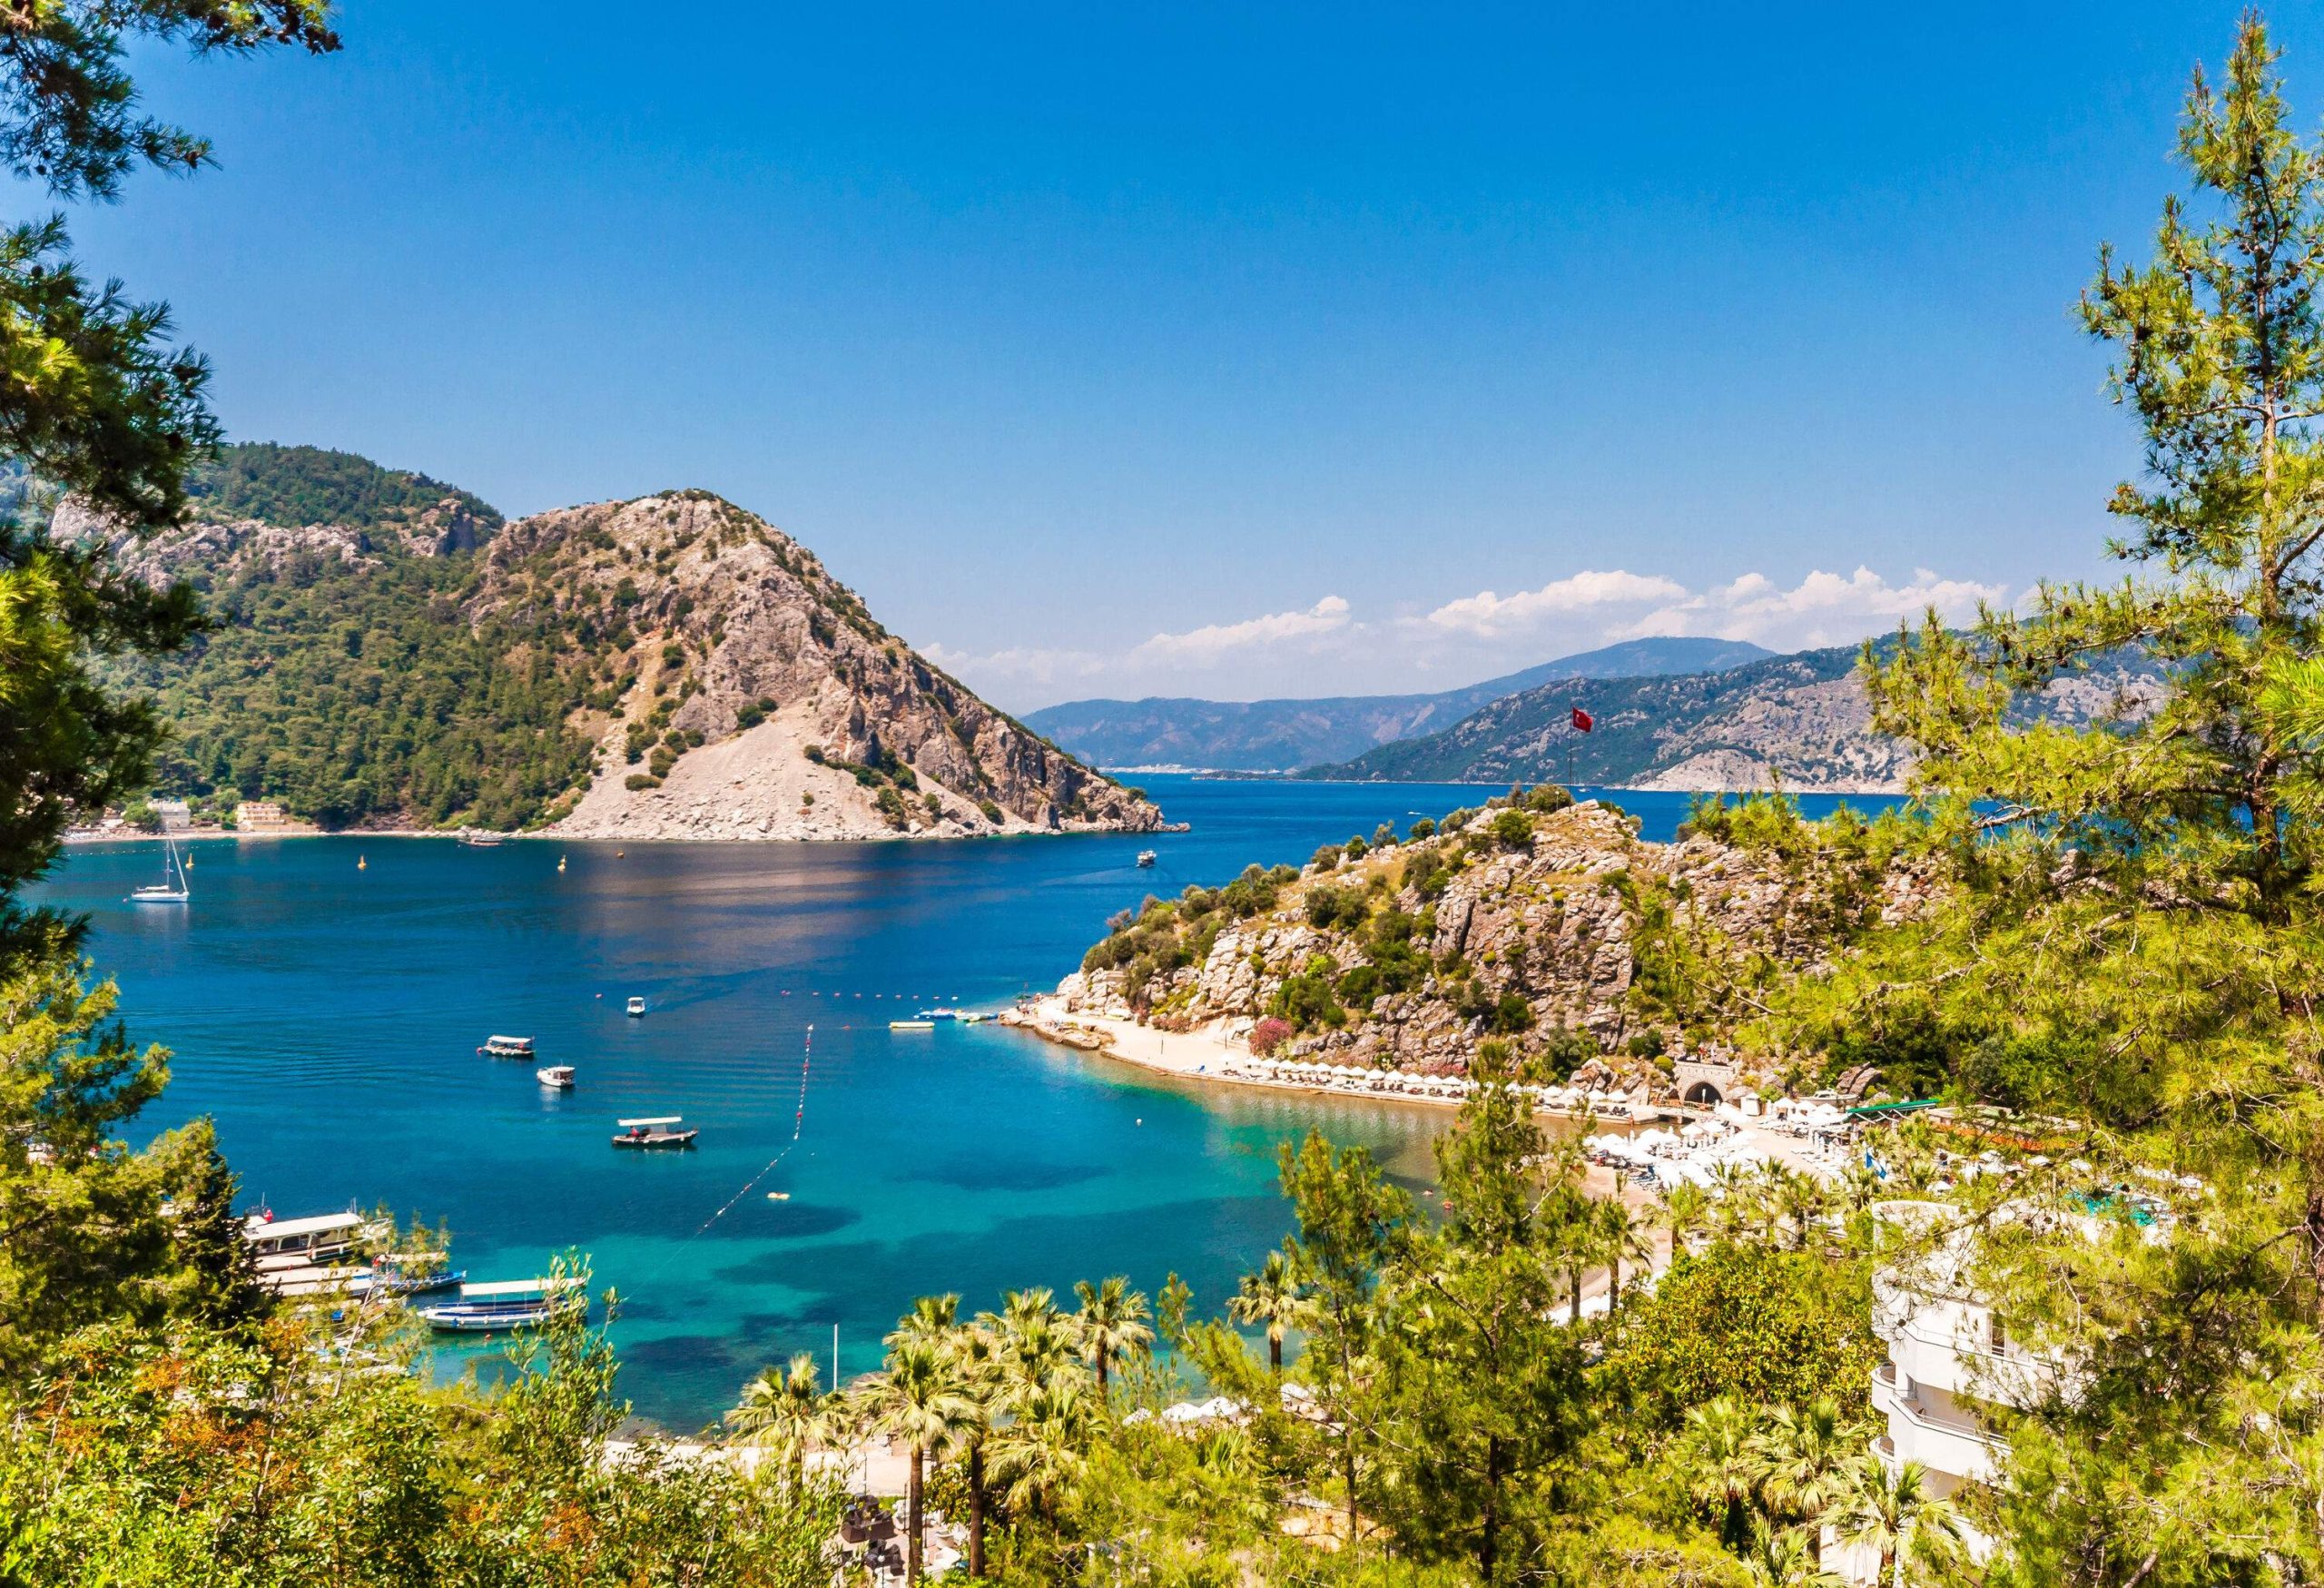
(479, 840)
(559, 1076)
(912, 1025)
(1145, 857)
(636, 1008)
(507, 1048)
(507, 1304)
(173, 888)
(661, 1130)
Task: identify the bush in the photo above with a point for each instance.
(1268, 1035)
(1646, 1044)
(815, 754)
(1331, 907)
(1563, 1050)
(637, 780)
(1423, 828)
(992, 812)
(1326, 859)
(1355, 848)
(1512, 830)
(1548, 798)
(747, 717)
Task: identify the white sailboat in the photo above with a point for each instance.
(173, 888)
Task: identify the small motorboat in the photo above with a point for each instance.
(941, 1013)
(474, 838)
(636, 1008)
(507, 1048)
(559, 1076)
(663, 1130)
(1145, 857)
(507, 1304)
(967, 1019)
(409, 1273)
(778, 1195)
(912, 1025)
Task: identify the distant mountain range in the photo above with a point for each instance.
(1285, 736)
(1806, 717)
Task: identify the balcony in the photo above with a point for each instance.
(1929, 1429)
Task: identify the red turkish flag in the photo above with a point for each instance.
(1581, 721)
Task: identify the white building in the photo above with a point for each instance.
(1950, 1360)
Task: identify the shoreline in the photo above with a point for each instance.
(1201, 1055)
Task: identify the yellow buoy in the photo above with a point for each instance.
(560, 863)
(360, 863)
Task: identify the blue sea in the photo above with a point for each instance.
(327, 1017)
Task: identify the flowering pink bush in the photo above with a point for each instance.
(1269, 1034)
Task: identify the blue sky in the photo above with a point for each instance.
(1213, 350)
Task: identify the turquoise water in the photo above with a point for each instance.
(327, 1018)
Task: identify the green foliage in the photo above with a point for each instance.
(1307, 1000)
(342, 690)
(297, 486)
(1780, 1327)
(1512, 830)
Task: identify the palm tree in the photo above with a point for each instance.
(1112, 1323)
(1036, 1344)
(1801, 1458)
(932, 1318)
(1721, 1474)
(1861, 1187)
(788, 1411)
(1274, 1297)
(1785, 1559)
(1043, 1453)
(1894, 1514)
(972, 1354)
(1685, 1209)
(1803, 1202)
(915, 1399)
(1626, 1239)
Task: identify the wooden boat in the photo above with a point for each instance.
(507, 1048)
(661, 1130)
(559, 1076)
(507, 1304)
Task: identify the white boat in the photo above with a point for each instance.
(636, 1008)
(661, 1130)
(912, 1025)
(507, 1048)
(279, 1241)
(559, 1076)
(173, 887)
(507, 1304)
(1145, 857)
(476, 840)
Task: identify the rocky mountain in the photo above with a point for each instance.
(392, 652)
(1548, 924)
(1281, 736)
(1804, 716)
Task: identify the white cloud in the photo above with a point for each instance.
(1328, 649)
(1208, 645)
(1822, 609)
(1487, 616)
(1018, 664)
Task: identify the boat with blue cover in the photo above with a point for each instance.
(507, 1304)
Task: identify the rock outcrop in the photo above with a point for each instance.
(1564, 921)
(791, 712)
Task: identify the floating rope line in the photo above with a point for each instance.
(798, 1128)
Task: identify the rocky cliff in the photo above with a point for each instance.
(389, 652)
(763, 700)
(1555, 929)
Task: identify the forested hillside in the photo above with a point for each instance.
(385, 650)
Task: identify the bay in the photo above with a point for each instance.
(327, 1017)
